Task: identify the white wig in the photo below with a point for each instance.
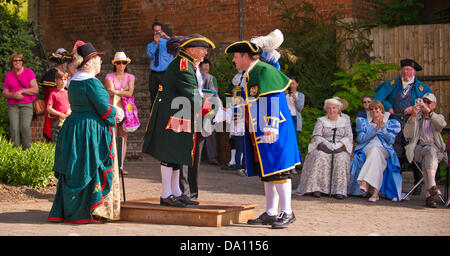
(270, 43)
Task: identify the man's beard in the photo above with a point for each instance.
(406, 81)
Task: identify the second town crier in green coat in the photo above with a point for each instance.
(171, 130)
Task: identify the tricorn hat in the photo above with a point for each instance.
(87, 51)
(176, 43)
(412, 63)
(197, 40)
(244, 47)
(60, 56)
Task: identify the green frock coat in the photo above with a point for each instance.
(170, 135)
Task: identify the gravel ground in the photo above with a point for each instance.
(24, 211)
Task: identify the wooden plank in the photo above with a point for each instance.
(211, 214)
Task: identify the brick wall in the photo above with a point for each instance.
(125, 25)
(37, 124)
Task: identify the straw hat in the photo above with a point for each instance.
(120, 56)
(343, 102)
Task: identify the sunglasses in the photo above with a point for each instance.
(426, 101)
(17, 60)
(121, 62)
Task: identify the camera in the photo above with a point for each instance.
(418, 101)
(158, 33)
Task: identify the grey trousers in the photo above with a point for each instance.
(20, 116)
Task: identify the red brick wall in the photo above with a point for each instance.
(116, 24)
(37, 124)
(125, 25)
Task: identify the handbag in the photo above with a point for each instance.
(39, 106)
(131, 120)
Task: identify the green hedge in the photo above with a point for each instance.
(32, 167)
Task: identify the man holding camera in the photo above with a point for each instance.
(160, 59)
(426, 144)
(398, 97)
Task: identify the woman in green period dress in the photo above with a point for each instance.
(88, 189)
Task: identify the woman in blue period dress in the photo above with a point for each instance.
(375, 167)
(88, 188)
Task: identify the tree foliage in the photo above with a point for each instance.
(398, 12)
(359, 81)
(310, 49)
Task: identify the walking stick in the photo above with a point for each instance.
(120, 145)
(332, 160)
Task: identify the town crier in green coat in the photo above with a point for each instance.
(171, 130)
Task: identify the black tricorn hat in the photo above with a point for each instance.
(244, 47)
(176, 43)
(197, 40)
(412, 63)
(87, 51)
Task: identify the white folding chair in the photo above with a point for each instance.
(418, 183)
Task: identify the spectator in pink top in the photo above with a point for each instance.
(120, 83)
(20, 89)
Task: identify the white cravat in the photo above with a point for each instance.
(199, 80)
(407, 85)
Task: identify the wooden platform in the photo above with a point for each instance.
(210, 214)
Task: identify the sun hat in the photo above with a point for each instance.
(120, 56)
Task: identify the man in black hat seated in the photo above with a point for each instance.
(399, 96)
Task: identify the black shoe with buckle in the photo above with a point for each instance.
(284, 220)
(263, 219)
(430, 202)
(434, 191)
(171, 201)
(185, 199)
(229, 167)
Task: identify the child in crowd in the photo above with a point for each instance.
(58, 105)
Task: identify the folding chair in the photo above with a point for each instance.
(120, 158)
(418, 183)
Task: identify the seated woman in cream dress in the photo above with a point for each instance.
(317, 176)
(375, 167)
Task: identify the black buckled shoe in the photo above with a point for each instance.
(434, 191)
(263, 219)
(363, 192)
(171, 201)
(430, 202)
(229, 167)
(284, 220)
(185, 199)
